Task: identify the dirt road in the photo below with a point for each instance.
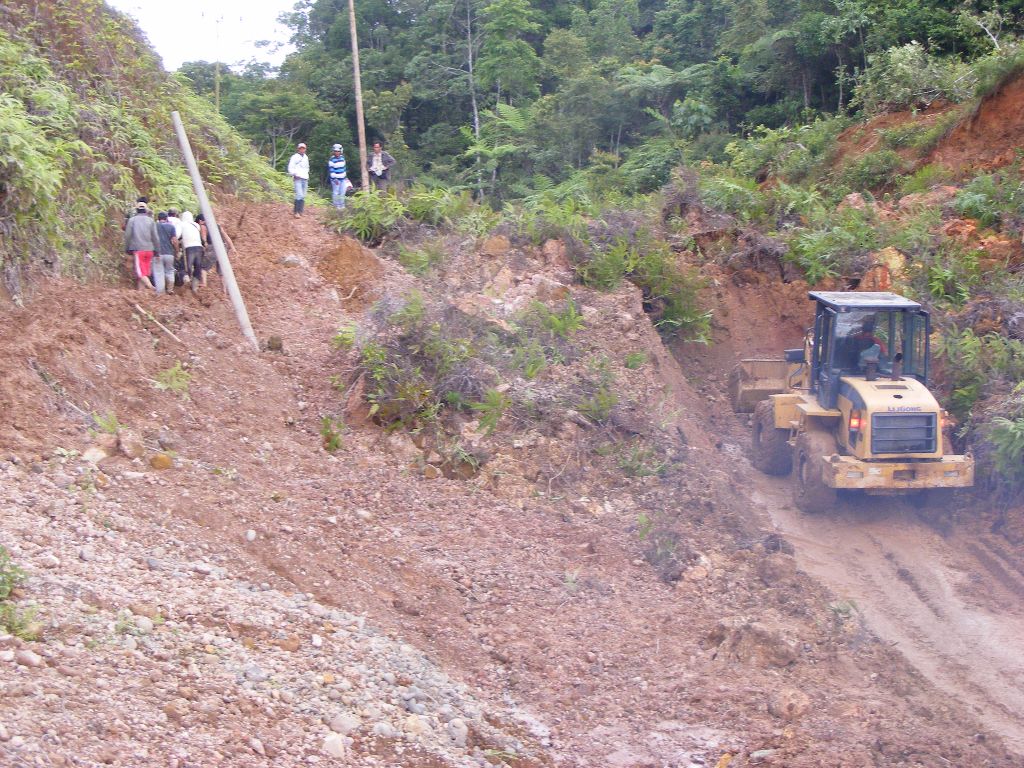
(951, 600)
(951, 605)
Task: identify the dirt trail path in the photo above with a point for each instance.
(951, 606)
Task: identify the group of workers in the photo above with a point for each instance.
(173, 250)
(170, 250)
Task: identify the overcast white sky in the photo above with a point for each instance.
(188, 30)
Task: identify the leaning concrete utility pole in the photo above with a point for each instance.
(226, 272)
(357, 79)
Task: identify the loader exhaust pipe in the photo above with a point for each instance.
(897, 366)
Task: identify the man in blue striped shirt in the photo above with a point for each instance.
(338, 176)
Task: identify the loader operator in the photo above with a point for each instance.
(863, 346)
(866, 336)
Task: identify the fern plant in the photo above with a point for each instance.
(107, 422)
(990, 198)
(1007, 436)
(429, 206)
(598, 406)
(607, 267)
(371, 215)
(174, 379)
(562, 324)
(346, 336)
(548, 216)
(10, 574)
(420, 261)
(738, 196)
(491, 409)
(530, 357)
(331, 432)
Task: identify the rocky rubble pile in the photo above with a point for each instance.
(144, 638)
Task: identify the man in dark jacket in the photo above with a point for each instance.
(380, 166)
(163, 264)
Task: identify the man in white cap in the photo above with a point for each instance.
(338, 176)
(298, 167)
(141, 241)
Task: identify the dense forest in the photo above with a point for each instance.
(667, 138)
(508, 96)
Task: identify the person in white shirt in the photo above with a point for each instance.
(192, 245)
(298, 167)
(174, 221)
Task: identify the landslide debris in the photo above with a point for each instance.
(568, 604)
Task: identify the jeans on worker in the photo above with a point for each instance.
(158, 274)
(301, 185)
(338, 193)
(163, 272)
(194, 264)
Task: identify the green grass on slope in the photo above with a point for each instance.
(85, 127)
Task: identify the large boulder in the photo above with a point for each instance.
(751, 642)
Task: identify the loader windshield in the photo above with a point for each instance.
(863, 336)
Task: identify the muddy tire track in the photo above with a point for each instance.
(951, 605)
(1002, 568)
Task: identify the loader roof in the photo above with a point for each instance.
(844, 301)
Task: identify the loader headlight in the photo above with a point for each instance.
(951, 473)
(855, 474)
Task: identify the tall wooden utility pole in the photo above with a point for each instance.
(361, 125)
(226, 272)
(216, 66)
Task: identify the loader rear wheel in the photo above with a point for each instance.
(771, 452)
(810, 494)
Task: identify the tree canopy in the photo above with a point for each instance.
(496, 94)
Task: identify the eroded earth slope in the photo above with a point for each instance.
(261, 601)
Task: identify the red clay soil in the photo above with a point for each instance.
(985, 139)
(353, 270)
(754, 315)
(990, 136)
(866, 137)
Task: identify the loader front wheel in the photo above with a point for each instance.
(771, 451)
(810, 494)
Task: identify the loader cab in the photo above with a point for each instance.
(856, 334)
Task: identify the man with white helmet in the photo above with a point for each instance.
(339, 178)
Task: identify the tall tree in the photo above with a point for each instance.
(508, 63)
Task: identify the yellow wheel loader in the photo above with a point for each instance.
(851, 410)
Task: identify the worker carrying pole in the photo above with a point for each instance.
(218, 244)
